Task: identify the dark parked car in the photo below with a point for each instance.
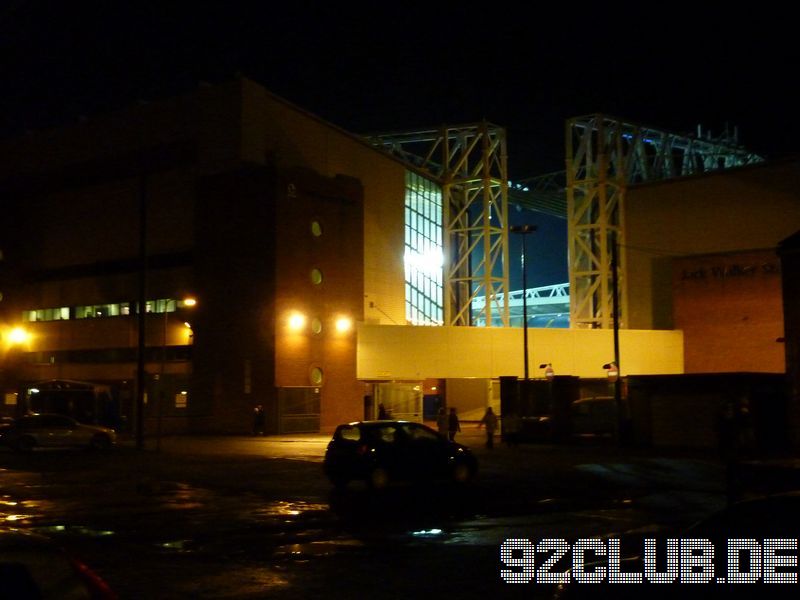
(378, 452)
(594, 416)
(52, 430)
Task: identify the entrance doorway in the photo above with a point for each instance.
(401, 400)
(298, 409)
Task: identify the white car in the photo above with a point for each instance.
(52, 430)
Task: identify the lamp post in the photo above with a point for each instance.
(524, 230)
(615, 309)
(188, 302)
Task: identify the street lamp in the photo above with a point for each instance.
(524, 230)
(187, 302)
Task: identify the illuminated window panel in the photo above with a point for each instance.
(423, 256)
(46, 314)
(94, 311)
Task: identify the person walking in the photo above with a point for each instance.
(489, 420)
(453, 425)
(441, 421)
(259, 420)
(382, 414)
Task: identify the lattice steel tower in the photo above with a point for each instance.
(469, 163)
(604, 156)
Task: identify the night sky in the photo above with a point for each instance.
(396, 66)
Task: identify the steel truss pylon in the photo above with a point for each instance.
(470, 163)
(604, 156)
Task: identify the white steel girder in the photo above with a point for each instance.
(470, 163)
(604, 156)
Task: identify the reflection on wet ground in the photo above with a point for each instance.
(20, 513)
(78, 530)
(216, 526)
(284, 508)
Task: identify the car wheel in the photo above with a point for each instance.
(461, 472)
(378, 478)
(25, 444)
(100, 442)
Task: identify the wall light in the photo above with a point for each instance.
(297, 321)
(344, 324)
(18, 335)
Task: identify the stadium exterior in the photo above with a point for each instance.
(203, 255)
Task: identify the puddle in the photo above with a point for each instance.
(427, 533)
(78, 530)
(308, 550)
(285, 508)
(181, 546)
(16, 512)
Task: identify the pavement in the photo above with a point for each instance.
(596, 463)
(600, 458)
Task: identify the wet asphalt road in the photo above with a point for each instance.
(241, 517)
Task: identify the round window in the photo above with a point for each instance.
(316, 325)
(316, 228)
(316, 376)
(316, 276)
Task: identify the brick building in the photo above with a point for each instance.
(263, 228)
(280, 271)
(701, 258)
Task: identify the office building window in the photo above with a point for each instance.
(46, 314)
(94, 311)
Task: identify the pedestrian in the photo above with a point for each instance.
(453, 425)
(441, 421)
(382, 414)
(489, 420)
(258, 420)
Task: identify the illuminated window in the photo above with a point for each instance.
(161, 305)
(46, 314)
(424, 256)
(93, 311)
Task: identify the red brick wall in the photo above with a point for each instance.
(336, 205)
(730, 310)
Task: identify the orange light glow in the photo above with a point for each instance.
(297, 321)
(18, 335)
(344, 324)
